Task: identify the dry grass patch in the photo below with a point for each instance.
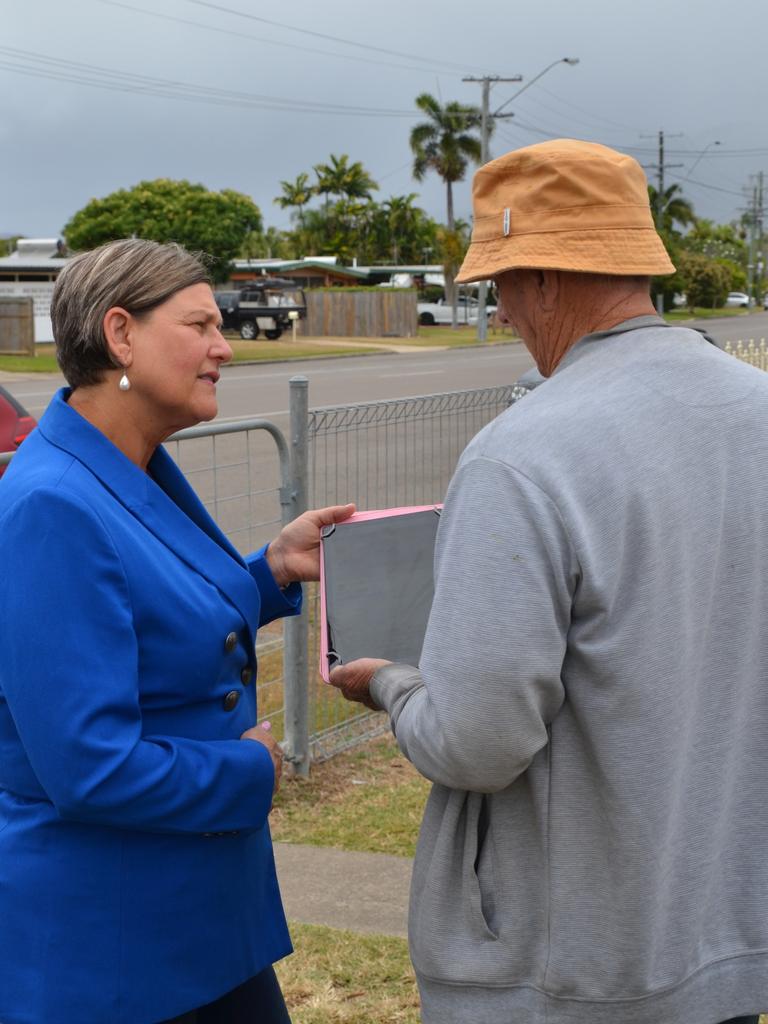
(339, 977)
(369, 799)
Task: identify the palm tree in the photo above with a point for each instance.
(402, 220)
(445, 143)
(296, 193)
(340, 178)
(670, 207)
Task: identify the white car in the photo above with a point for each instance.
(737, 299)
(440, 312)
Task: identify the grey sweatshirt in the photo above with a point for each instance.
(592, 700)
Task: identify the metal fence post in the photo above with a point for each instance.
(296, 651)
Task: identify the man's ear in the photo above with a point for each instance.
(117, 325)
(548, 288)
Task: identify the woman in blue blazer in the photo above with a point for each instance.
(137, 881)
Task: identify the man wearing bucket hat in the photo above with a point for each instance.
(592, 698)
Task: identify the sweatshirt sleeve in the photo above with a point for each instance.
(476, 711)
(69, 673)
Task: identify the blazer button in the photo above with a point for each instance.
(230, 643)
(246, 675)
(231, 700)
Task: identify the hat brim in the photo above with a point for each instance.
(624, 252)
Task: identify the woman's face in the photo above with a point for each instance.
(176, 353)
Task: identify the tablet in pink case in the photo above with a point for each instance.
(376, 585)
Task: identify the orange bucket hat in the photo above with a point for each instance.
(563, 205)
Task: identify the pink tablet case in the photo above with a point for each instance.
(376, 585)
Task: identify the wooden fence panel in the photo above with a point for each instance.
(349, 313)
(17, 326)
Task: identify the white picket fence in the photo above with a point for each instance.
(753, 352)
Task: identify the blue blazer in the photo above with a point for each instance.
(136, 872)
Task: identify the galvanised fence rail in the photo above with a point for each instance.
(378, 455)
(382, 455)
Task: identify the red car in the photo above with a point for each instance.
(15, 423)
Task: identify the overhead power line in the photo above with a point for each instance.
(325, 35)
(704, 184)
(38, 65)
(239, 34)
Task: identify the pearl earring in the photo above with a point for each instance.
(125, 384)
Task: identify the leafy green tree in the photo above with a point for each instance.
(706, 281)
(163, 210)
(445, 143)
(269, 244)
(7, 245)
(451, 246)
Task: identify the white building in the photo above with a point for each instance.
(31, 271)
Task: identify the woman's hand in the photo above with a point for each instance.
(354, 680)
(261, 734)
(294, 555)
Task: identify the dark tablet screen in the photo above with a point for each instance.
(379, 586)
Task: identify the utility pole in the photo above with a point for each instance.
(761, 236)
(485, 125)
(755, 265)
(485, 131)
(659, 212)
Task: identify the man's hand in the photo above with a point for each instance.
(354, 679)
(294, 555)
(260, 734)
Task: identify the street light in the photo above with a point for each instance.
(701, 155)
(572, 61)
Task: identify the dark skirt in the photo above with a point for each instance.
(258, 1001)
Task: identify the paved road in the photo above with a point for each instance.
(734, 328)
(262, 390)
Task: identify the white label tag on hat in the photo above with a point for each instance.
(506, 220)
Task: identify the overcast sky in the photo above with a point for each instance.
(697, 70)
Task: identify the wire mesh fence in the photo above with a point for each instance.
(381, 455)
(233, 469)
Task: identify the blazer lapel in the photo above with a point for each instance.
(161, 500)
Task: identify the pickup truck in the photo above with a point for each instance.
(262, 305)
(440, 312)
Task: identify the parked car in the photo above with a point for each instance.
(15, 423)
(440, 312)
(737, 299)
(263, 305)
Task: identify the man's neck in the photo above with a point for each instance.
(589, 313)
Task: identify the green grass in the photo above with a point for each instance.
(340, 977)
(303, 348)
(368, 799)
(43, 361)
(702, 313)
(463, 335)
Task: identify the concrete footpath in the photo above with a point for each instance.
(360, 892)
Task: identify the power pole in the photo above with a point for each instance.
(755, 265)
(761, 236)
(485, 125)
(658, 212)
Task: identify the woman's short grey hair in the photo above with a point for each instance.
(133, 273)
